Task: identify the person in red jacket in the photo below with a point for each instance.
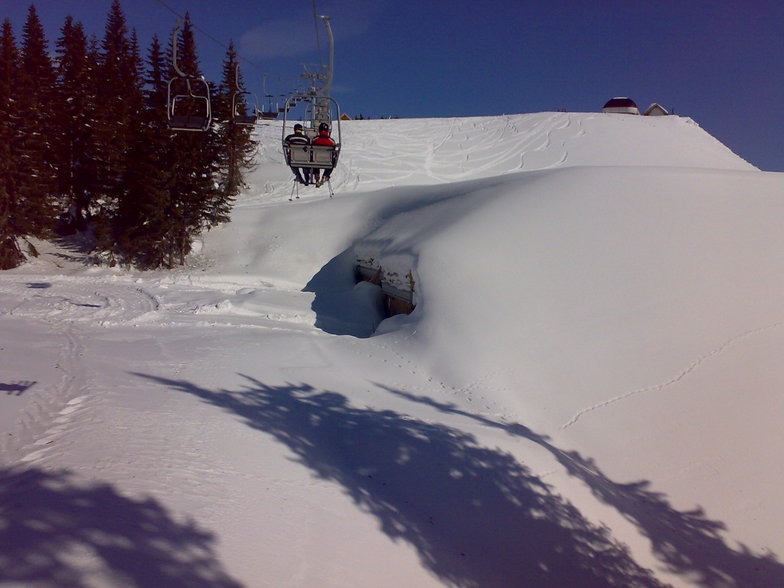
(322, 139)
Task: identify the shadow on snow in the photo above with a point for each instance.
(342, 306)
(476, 516)
(686, 542)
(17, 388)
(59, 530)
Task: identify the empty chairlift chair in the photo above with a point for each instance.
(188, 106)
(239, 102)
(189, 109)
(270, 110)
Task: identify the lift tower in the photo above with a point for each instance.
(320, 83)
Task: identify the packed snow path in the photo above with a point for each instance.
(585, 395)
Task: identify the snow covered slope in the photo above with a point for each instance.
(379, 155)
(382, 153)
(585, 395)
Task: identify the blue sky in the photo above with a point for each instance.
(716, 61)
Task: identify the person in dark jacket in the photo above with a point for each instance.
(302, 174)
(323, 138)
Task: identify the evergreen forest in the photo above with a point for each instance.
(86, 149)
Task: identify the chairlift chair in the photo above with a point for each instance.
(247, 120)
(282, 109)
(186, 108)
(237, 116)
(269, 112)
(312, 156)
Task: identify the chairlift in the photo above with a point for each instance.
(321, 108)
(244, 119)
(189, 111)
(237, 102)
(188, 106)
(270, 111)
(313, 156)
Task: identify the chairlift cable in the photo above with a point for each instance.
(206, 34)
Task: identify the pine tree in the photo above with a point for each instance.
(194, 163)
(136, 78)
(89, 170)
(10, 255)
(155, 96)
(117, 119)
(76, 101)
(171, 177)
(237, 148)
(142, 225)
(34, 142)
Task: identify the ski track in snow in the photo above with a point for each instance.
(77, 300)
(67, 306)
(453, 150)
(674, 380)
(52, 406)
(70, 307)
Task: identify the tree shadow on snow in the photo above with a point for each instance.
(57, 530)
(686, 542)
(17, 388)
(476, 516)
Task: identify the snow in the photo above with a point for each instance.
(587, 393)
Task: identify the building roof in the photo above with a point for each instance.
(656, 109)
(620, 102)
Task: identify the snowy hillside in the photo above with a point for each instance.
(587, 393)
